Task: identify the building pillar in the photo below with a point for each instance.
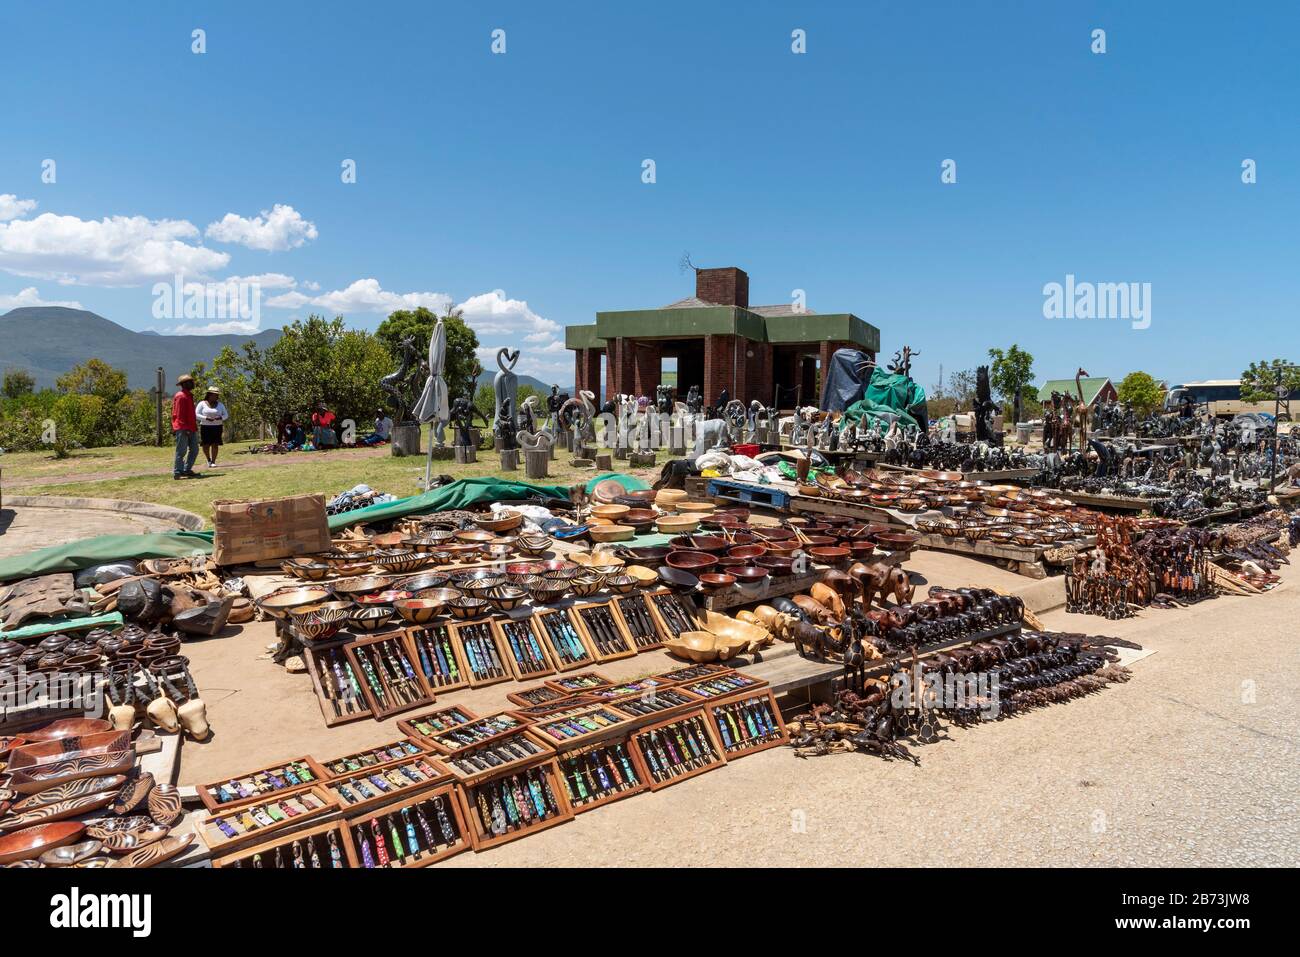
(720, 363)
(587, 370)
(619, 369)
(647, 366)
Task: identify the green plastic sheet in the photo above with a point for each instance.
(887, 392)
(465, 493)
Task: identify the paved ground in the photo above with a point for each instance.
(1193, 762)
(26, 529)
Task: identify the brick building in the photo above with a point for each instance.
(719, 341)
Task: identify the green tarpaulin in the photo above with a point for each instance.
(107, 548)
(886, 392)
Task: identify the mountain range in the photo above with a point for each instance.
(48, 341)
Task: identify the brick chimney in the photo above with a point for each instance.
(727, 286)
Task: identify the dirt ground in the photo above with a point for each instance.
(1193, 762)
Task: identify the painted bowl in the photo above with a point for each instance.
(716, 580)
(370, 619)
(587, 585)
(465, 607)
(546, 592)
(418, 611)
(533, 544)
(506, 597)
(621, 584)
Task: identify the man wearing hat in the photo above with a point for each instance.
(212, 414)
(185, 429)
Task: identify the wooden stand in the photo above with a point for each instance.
(602, 773)
(535, 462)
(385, 656)
(315, 840)
(263, 784)
(581, 726)
(747, 724)
(564, 640)
(406, 440)
(465, 454)
(604, 463)
(440, 808)
(325, 680)
(252, 822)
(358, 792)
(529, 657)
(479, 805)
(617, 643)
(577, 684)
(371, 758)
(486, 661)
(666, 749)
(509, 460)
(441, 660)
(421, 727)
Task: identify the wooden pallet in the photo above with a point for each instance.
(747, 494)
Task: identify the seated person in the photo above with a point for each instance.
(323, 434)
(383, 430)
(289, 433)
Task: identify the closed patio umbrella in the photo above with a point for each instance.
(432, 406)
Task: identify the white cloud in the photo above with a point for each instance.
(114, 251)
(11, 207)
(30, 297)
(311, 286)
(492, 314)
(267, 280)
(275, 231)
(364, 295)
(232, 328)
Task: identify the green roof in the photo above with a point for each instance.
(723, 320)
(1091, 386)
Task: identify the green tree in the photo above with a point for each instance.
(1141, 392)
(94, 377)
(1011, 371)
(78, 419)
(1259, 381)
(462, 367)
(318, 360)
(18, 383)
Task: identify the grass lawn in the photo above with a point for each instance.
(144, 474)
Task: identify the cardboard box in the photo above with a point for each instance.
(251, 531)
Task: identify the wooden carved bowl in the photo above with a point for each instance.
(370, 619)
(466, 607)
(32, 842)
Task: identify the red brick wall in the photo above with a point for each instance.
(718, 360)
(586, 370)
(727, 286)
(647, 367)
(620, 370)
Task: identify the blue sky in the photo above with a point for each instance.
(512, 182)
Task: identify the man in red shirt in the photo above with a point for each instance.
(322, 420)
(185, 428)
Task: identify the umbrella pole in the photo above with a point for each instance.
(428, 460)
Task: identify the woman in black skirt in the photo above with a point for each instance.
(212, 415)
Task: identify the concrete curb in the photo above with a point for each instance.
(187, 521)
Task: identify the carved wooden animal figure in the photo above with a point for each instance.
(1080, 417)
(825, 595)
(871, 581)
(900, 584)
(814, 609)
